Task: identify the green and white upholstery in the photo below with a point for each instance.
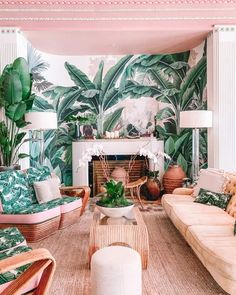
(10, 237)
(36, 208)
(14, 191)
(13, 274)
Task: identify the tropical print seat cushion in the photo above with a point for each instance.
(15, 273)
(36, 208)
(14, 191)
(34, 175)
(210, 198)
(10, 237)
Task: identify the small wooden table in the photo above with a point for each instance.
(105, 231)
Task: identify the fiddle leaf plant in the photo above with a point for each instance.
(114, 196)
(15, 100)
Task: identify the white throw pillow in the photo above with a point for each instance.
(211, 179)
(47, 190)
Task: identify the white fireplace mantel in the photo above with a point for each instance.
(112, 147)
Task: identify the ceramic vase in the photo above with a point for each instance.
(173, 178)
(154, 188)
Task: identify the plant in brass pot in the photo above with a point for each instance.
(113, 202)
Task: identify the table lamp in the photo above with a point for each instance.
(195, 119)
(41, 121)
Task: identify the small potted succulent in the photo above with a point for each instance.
(113, 202)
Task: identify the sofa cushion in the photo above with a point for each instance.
(14, 192)
(10, 237)
(36, 208)
(220, 200)
(170, 200)
(15, 273)
(185, 216)
(47, 190)
(211, 179)
(36, 174)
(215, 246)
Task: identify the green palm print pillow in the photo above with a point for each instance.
(210, 198)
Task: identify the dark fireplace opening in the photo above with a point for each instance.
(96, 174)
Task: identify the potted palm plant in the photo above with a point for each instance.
(113, 202)
(15, 100)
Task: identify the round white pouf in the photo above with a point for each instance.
(116, 270)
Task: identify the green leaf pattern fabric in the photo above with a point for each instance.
(36, 208)
(212, 198)
(15, 273)
(14, 192)
(9, 238)
(36, 174)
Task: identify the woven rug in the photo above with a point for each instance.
(173, 267)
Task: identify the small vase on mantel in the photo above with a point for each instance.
(173, 178)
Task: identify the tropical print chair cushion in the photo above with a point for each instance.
(15, 273)
(36, 208)
(35, 175)
(10, 237)
(14, 191)
(211, 198)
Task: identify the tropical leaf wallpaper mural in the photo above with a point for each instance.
(144, 93)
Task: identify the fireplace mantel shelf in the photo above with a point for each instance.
(119, 146)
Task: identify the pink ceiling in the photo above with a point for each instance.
(116, 26)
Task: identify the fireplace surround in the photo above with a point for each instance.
(113, 147)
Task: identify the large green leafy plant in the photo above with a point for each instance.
(114, 196)
(15, 101)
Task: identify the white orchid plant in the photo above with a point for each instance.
(153, 156)
(95, 150)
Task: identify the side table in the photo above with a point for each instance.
(105, 231)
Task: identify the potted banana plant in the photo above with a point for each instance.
(113, 202)
(15, 100)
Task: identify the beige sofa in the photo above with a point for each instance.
(209, 230)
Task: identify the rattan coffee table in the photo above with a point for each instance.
(105, 231)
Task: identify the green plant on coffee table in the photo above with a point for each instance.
(114, 197)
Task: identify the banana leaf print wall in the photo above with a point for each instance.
(167, 78)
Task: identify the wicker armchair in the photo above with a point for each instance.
(41, 271)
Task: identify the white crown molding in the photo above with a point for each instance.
(101, 19)
(117, 3)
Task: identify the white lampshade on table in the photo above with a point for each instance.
(195, 119)
(41, 121)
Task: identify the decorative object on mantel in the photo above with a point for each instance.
(173, 178)
(113, 202)
(112, 134)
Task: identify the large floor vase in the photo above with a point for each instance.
(173, 178)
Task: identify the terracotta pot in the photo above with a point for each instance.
(173, 178)
(154, 188)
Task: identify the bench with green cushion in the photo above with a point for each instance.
(20, 206)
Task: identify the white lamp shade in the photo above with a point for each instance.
(41, 120)
(196, 119)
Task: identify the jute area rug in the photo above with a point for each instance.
(173, 267)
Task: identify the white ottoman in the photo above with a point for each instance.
(116, 270)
